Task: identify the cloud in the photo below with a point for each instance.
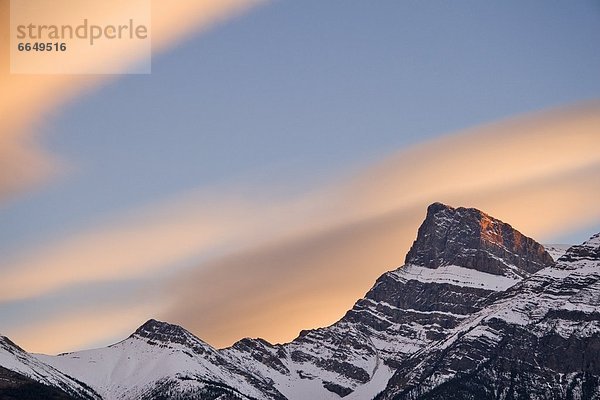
(133, 245)
(27, 100)
(83, 328)
(247, 262)
(464, 165)
(153, 240)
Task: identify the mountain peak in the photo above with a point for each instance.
(159, 331)
(469, 238)
(437, 207)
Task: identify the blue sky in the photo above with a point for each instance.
(293, 94)
(306, 89)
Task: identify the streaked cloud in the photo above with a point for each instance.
(27, 100)
(131, 246)
(268, 265)
(486, 159)
(83, 328)
(153, 239)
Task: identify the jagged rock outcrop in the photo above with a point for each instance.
(472, 239)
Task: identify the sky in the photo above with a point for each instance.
(281, 156)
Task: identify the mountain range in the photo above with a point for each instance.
(477, 311)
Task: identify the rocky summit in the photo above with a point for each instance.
(472, 239)
(478, 311)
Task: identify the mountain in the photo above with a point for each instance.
(158, 361)
(478, 311)
(540, 339)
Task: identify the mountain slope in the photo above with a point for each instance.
(160, 359)
(24, 376)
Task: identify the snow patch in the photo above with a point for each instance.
(455, 275)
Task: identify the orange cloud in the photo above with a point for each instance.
(485, 158)
(25, 100)
(81, 329)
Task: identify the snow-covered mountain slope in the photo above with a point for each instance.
(538, 340)
(323, 364)
(160, 358)
(478, 311)
(21, 372)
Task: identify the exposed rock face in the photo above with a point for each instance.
(162, 332)
(472, 239)
(479, 311)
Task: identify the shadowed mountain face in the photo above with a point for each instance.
(17, 386)
(24, 377)
(479, 311)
